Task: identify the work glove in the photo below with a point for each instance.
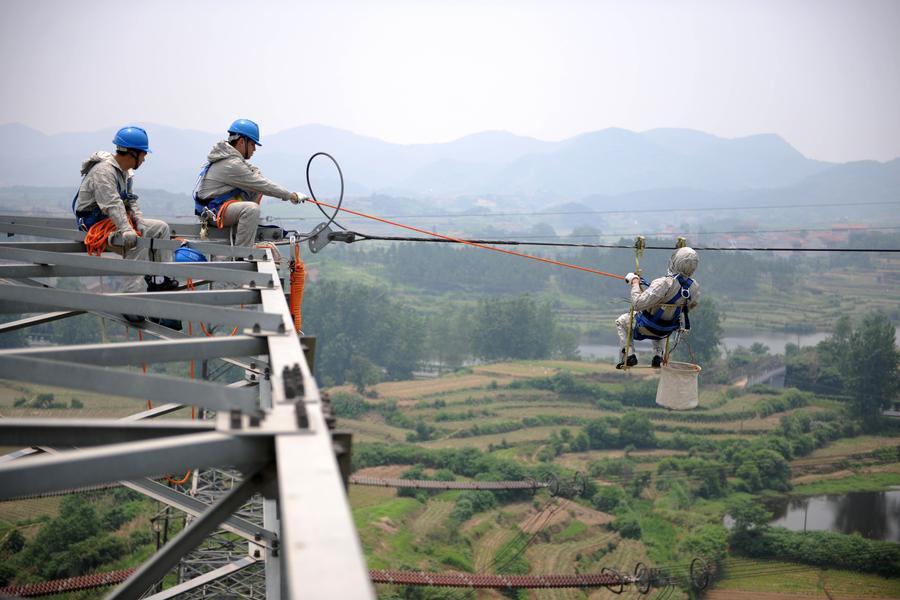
(129, 239)
(297, 198)
(630, 277)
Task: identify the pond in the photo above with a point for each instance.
(874, 515)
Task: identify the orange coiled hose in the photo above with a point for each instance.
(298, 280)
(97, 236)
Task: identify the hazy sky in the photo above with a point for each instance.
(824, 74)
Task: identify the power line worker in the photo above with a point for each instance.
(106, 206)
(229, 188)
(659, 308)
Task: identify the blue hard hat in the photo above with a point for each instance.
(246, 128)
(132, 137)
(187, 254)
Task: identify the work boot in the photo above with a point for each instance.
(630, 361)
(155, 283)
(657, 362)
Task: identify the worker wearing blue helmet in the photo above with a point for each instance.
(106, 193)
(229, 177)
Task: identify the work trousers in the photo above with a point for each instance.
(622, 329)
(150, 228)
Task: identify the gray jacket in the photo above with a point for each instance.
(228, 170)
(660, 290)
(104, 179)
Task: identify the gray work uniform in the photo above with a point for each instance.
(100, 188)
(230, 172)
(653, 298)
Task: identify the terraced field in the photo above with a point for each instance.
(562, 536)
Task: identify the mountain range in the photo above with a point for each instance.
(589, 168)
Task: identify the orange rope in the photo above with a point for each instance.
(220, 216)
(468, 243)
(97, 236)
(298, 280)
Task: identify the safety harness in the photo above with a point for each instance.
(86, 219)
(654, 325)
(213, 205)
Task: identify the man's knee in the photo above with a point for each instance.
(156, 229)
(250, 211)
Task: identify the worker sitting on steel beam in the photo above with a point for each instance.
(108, 211)
(657, 310)
(229, 188)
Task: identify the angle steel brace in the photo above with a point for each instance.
(78, 236)
(263, 233)
(152, 351)
(256, 366)
(194, 507)
(91, 432)
(115, 462)
(147, 306)
(59, 233)
(20, 270)
(38, 320)
(117, 266)
(189, 538)
(202, 297)
(322, 556)
(150, 413)
(175, 591)
(48, 246)
(159, 388)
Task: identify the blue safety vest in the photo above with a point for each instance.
(85, 219)
(654, 325)
(212, 204)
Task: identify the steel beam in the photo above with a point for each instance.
(114, 462)
(59, 233)
(152, 413)
(38, 320)
(256, 366)
(91, 432)
(189, 538)
(151, 351)
(159, 388)
(136, 305)
(117, 266)
(194, 507)
(19, 271)
(49, 246)
(322, 555)
(215, 574)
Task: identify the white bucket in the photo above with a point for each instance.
(678, 386)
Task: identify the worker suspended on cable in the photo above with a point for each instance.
(105, 206)
(658, 310)
(229, 188)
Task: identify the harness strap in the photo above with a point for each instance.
(215, 204)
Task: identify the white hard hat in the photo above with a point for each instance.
(684, 261)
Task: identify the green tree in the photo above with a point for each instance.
(636, 428)
(362, 373)
(873, 378)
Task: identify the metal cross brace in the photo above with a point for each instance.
(117, 266)
(141, 305)
(158, 388)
